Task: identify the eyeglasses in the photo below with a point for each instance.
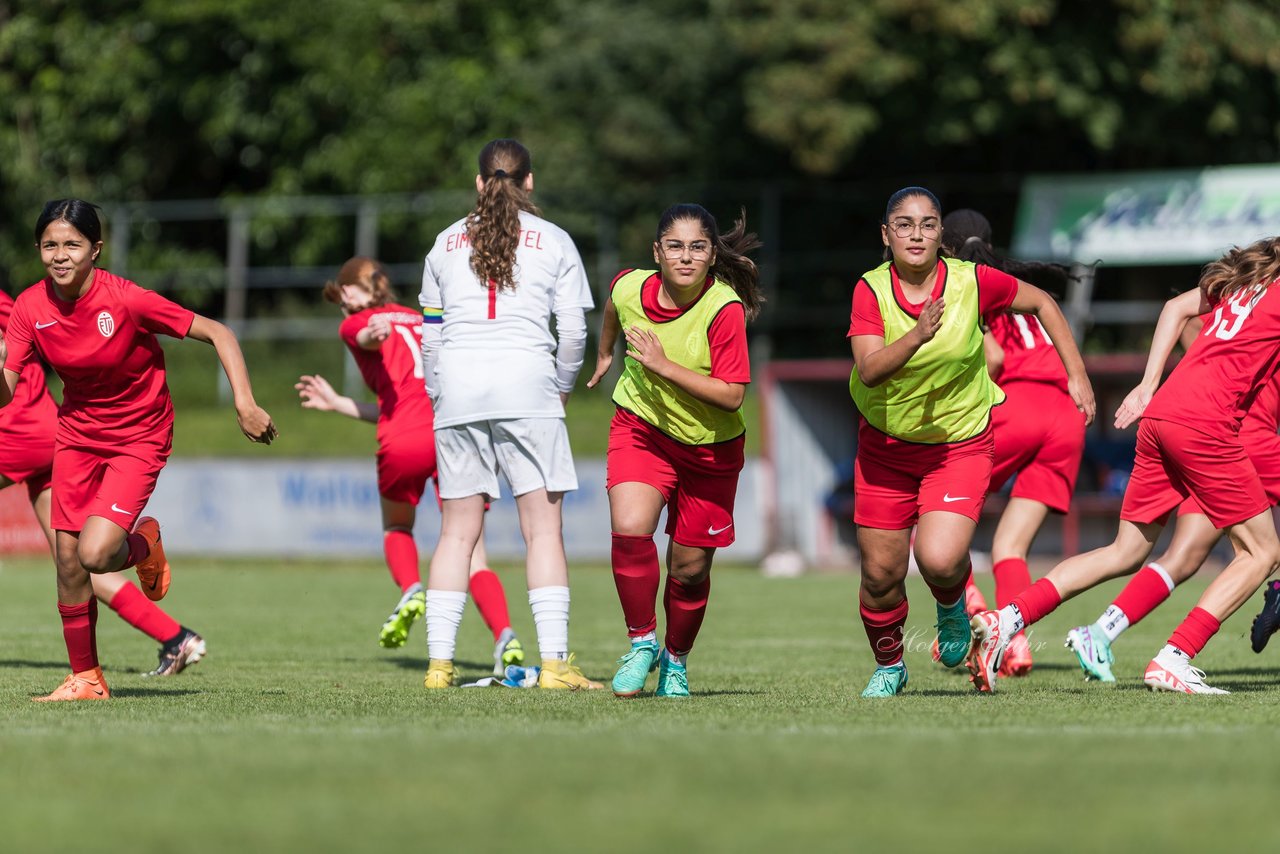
(699, 250)
(905, 228)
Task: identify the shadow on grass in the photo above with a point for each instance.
(43, 665)
(152, 692)
(405, 662)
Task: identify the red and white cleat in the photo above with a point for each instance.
(1170, 670)
(989, 644)
(1017, 658)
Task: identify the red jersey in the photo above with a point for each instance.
(393, 372)
(1029, 354)
(996, 290)
(727, 334)
(104, 348)
(32, 410)
(1263, 416)
(1233, 357)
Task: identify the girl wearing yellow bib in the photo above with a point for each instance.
(677, 438)
(925, 447)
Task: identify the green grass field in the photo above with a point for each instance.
(299, 734)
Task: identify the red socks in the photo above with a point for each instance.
(1012, 577)
(143, 614)
(491, 601)
(138, 548)
(79, 623)
(1142, 594)
(884, 631)
(1195, 631)
(636, 574)
(1037, 601)
(402, 558)
(948, 596)
(686, 605)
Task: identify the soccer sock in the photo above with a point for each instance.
(1030, 606)
(78, 624)
(1012, 577)
(402, 558)
(884, 631)
(143, 614)
(444, 615)
(947, 597)
(636, 575)
(491, 601)
(1194, 632)
(550, 606)
(138, 548)
(1144, 592)
(685, 606)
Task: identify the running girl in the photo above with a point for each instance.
(676, 440)
(115, 425)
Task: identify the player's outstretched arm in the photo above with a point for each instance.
(610, 329)
(1032, 300)
(316, 393)
(255, 423)
(1173, 319)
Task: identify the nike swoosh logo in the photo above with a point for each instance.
(714, 531)
(40, 325)
(119, 509)
(98, 691)
(947, 499)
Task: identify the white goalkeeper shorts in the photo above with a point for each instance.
(531, 453)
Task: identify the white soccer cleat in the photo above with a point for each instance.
(990, 640)
(1170, 670)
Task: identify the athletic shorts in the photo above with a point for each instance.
(1039, 436)
(27, 459)
(1264, 452)
(1175, 462)
(699, 483)
(405, 463)
(896, 482)
(114, 484)
(531, 453)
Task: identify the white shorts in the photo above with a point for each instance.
(531, 453)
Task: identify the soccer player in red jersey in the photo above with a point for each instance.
(27, 427)
(385, 339)
(1189, 445)
(115, 425)
(925, 445)
(1038, 431)
(677, 437)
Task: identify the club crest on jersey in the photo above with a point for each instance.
(106, 324)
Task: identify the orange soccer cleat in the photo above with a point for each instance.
(974, 603)
(1017, 658)
(85, 685)
(153, 570)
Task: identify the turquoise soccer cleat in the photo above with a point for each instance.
(954, 634)
(1093, 651)
(634, 668)
(888, 681)
(673, 679)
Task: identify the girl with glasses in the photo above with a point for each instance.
(677, 437)
(925, 446)
(498, 380)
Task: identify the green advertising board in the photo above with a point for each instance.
(1136, 218)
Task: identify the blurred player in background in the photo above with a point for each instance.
(1039, 432)
(115, 425)
(385, 339)
(1189, 445)
(677, 437)
(27, 428)
(498, 380)
(925, 445)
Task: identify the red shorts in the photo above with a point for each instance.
(1264, 452)
(405, 463)
(1175, 462)
(895, 482)
(1039, 436)
(114, 484)
(27, 459)
(699, 483)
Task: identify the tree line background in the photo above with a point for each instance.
(827, 105)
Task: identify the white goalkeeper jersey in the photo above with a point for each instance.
(496, 357)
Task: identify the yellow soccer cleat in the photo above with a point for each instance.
(565, 676)
(439, 674)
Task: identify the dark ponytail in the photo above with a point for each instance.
(493, 228)
(966, 234)
(732, 266)
(82, 215)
